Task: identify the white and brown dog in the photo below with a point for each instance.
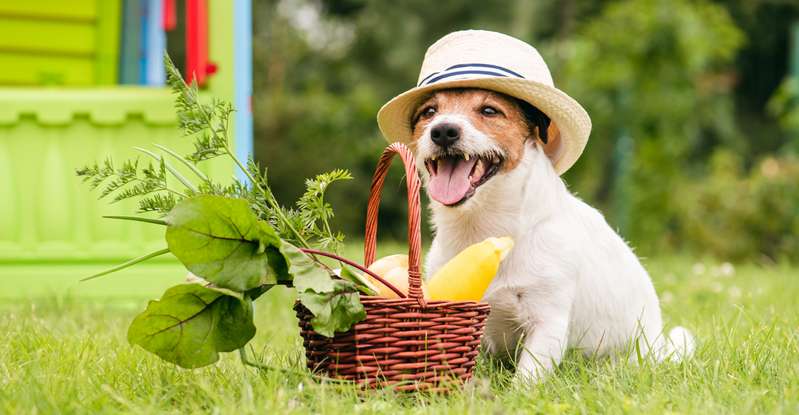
(570, 280)
(491, 162)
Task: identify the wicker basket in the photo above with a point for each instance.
(407, 343)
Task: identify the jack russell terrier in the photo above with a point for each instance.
(492, 135)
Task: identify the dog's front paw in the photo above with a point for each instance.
(532, 370)
(526, 377)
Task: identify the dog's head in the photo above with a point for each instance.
(467, 137)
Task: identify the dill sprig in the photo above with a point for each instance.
(315, 213)
(129, 181)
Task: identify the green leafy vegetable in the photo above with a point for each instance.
(335, 304)
(222, 241)
(236, 237)
(127, 264)
(334, 311)
(149, 184)
(175, 173)
(315, 213)
(191, 324)
(363, 283)
(307, 274)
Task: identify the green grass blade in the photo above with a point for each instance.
(185, 162)
(138, 219)
(186, 182)
(126, 264)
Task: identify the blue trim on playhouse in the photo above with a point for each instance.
(242, 58)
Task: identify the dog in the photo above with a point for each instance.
(570, 280)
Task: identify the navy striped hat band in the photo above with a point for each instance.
(469, 69)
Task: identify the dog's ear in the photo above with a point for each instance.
(553, 148)
(537, 120)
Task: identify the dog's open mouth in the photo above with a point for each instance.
(454, 178)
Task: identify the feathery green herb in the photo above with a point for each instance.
(308, 225)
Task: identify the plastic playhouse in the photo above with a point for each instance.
(82, 79)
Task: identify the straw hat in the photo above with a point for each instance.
(497, 62)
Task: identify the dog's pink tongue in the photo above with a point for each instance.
(451, 181)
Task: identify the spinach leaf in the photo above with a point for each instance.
(307, 274)
(360, 280)
(222, 241)
(334, 311)
(335, 304)
(191, 324)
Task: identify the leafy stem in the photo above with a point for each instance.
(181, 178)
(129, 263)
(185, 162)
(268, 196)
(187, 99)
(137, 219)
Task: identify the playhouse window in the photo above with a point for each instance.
(102, 42)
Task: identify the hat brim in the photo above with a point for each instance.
(572, 121)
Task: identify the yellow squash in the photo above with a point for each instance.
(467, 276)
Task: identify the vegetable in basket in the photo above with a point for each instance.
(465, 277)
(235, 237)
(393, 269)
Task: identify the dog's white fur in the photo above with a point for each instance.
(570, 280)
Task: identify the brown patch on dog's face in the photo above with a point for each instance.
(497, 116)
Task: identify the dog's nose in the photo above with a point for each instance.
(445, 134)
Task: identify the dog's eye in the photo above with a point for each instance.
(427, 112)
(488, 110)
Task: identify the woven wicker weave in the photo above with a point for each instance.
(407, 343)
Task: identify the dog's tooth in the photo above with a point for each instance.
(434, 158)
(466, 156)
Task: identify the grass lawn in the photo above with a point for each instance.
(63, 350)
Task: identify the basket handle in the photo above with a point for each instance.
(414, 215)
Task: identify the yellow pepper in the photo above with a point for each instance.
(466, 277)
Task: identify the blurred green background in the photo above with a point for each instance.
(695, 109)
(695, 112)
